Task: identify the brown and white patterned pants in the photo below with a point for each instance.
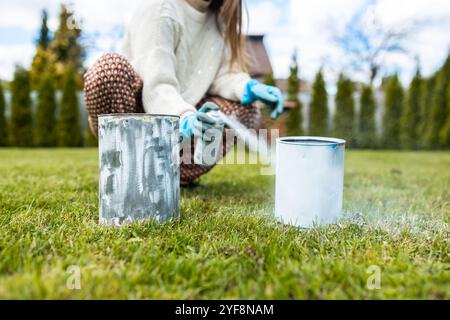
(112, 86)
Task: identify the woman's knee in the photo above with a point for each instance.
(112, 83)
(109, 70)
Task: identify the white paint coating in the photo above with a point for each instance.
(309, 180)
(139, 174)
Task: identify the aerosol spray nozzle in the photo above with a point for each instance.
(216, 115)
(207, 150)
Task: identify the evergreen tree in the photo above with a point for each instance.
(3, 123)
(294, 121)
(345, 111)
(66, 47)
(43, 60)
(21, 134)
(438, 111)
(410, 118)
(425, 106)
(392, 112)
(270, 80)
(90, 139)
(445, 132)
(69, 133)
(318, 112)
(367, 135)
(44, 33)
(46, 113)
(43, 63)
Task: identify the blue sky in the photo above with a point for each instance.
(288, 24)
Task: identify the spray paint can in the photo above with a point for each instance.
(207, 150)
(139, 169)
(309, 180)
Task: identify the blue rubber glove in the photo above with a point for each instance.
(255, 90)
(197, 124)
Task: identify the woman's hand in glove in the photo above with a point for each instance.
(197, 124)
(255, 90)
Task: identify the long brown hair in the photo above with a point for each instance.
(229, 15)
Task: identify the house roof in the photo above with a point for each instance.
(304, 86)
(259, 62)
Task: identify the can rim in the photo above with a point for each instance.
(311, 141)
(137, 115)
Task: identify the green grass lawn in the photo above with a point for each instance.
(226, 245)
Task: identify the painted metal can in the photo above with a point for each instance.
(309, 180)
(139, 168)
(207, 153)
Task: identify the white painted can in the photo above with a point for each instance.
(139, 168)
(309, 180)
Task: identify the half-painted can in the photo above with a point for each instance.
(139, 168)
(309, 180)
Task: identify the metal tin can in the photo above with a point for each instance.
(309, 180)
(139, 168)
(207, 153)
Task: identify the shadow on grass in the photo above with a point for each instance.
(219, 189)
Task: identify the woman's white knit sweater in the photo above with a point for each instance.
(181, 56)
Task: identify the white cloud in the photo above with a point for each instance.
(302, 25)
(100, 15)
(431, 42)
(24, 14)
(308, 26)
(12, 55)
(264, 16)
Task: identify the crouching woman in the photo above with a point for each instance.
(184, 58)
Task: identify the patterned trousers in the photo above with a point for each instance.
(112, 86)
